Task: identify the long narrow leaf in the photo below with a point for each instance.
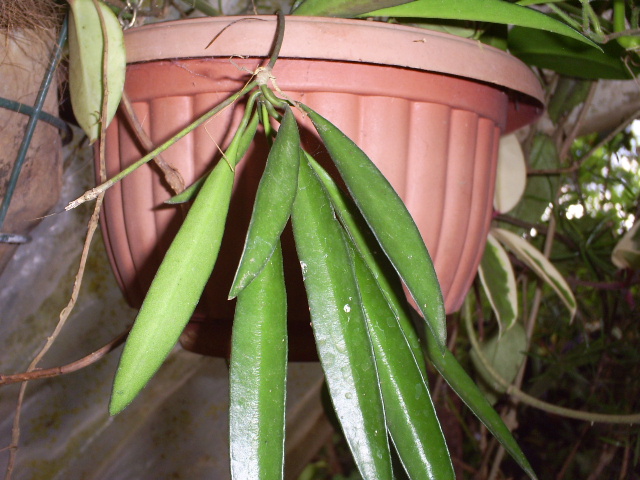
(389, 220)
(244, 143)
(499, 283)
(87, 41)
(273, 203)
(339, 327)
(257, 376)
(493, 11)
(569, 57)
(411, 416)
(367, 246)
(176, 288)
(343, 8)
(461, 383)
(542, 267)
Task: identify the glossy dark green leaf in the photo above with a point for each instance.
(389, 220)
(367, 246)
(461, 383)
(492, 11)
(342, 8)
(411, 417)
(176, 288)
(257, 376)
(274, 199)
(339, 326)
(568, 56)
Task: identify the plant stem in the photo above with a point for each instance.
(94, 192)
(539, 404)
(278, 43)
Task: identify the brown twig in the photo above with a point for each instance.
(64, 315)
(171, 175)
(66, 312)
(84, 362)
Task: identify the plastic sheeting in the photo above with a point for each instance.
(177, 427)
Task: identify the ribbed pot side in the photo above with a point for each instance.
(435, 137)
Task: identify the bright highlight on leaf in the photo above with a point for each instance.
(86, 74)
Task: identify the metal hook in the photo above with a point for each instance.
(131, 8)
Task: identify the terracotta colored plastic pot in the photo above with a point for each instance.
(428, 108)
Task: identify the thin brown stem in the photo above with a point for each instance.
(171, 175)
(84, 362)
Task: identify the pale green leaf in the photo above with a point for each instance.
(493, 11)
(541, 189)
(499, 283)
(343, 8)
(537, 2)
(86, 73)
(535, 260)
(504, 354)
(626, 253)
(511, 177)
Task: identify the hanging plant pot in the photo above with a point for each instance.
(427, 108)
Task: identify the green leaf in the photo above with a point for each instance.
(626, 254)
(539, 264)
(492, 11)
(410, 414)
(257, 376)
(389, 220)
(176, 288)
(498, 280)
(342, 8)
(525, 3)
(86, 53)
(567, 95)
(511, 176)
(274, 199)
(244, 143)
(461, 383)
(504, 353)
(339, 327)
(541, 189)
(568, 56)
(369, 249)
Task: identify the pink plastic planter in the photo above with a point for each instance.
(428, 108)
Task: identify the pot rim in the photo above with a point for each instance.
(359, 41)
